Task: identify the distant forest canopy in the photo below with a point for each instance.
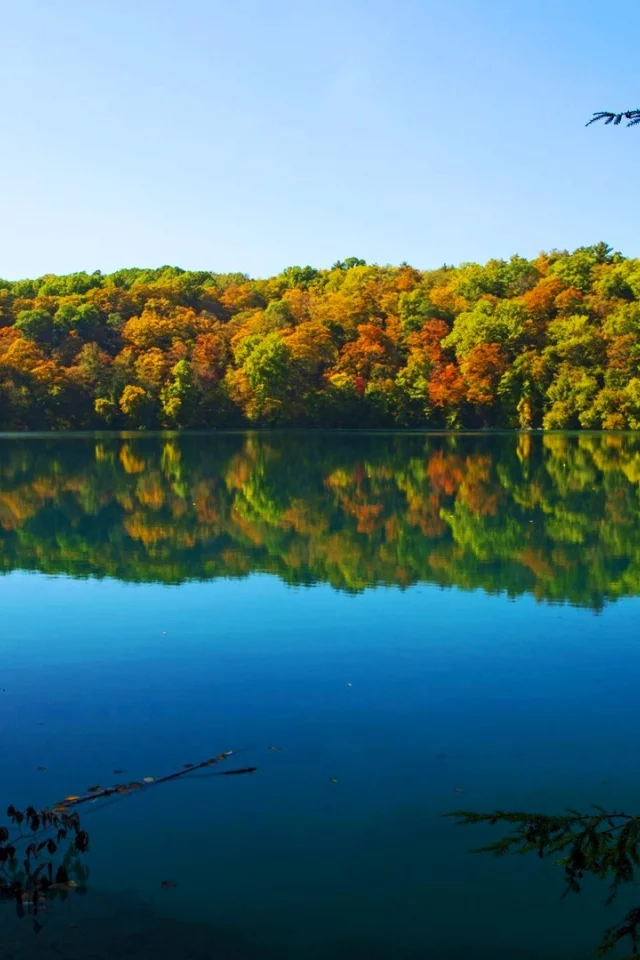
(552, 342)
(552, 515)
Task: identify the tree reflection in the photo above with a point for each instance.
(552, 515)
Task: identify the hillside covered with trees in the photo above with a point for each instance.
(552, 342)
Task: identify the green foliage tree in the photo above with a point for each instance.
(36, 325)
(179, 397)
(266, 369)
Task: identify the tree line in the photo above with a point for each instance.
(552, 342)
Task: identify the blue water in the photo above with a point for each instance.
(401, 694)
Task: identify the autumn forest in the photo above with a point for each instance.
(553, 343)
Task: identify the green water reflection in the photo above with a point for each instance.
(556, 515)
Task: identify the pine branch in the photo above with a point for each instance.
(603, 844)
(633, 117)
(627, 928)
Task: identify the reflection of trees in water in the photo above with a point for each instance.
(553, 515)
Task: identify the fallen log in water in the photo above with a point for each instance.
(96, 793)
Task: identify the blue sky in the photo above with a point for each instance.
(250, 135)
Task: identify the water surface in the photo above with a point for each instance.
(403, 614)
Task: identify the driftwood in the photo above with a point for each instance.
(96, 793)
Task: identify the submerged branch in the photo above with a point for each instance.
(99, 792)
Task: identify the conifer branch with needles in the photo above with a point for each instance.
(632, 116)
(602, 844)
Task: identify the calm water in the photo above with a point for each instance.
(405, 613)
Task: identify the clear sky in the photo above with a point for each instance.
(254, 134)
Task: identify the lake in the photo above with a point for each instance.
(420, 623)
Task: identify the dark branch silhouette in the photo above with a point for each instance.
(43, 871)
(633, 117)
(603, 844)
